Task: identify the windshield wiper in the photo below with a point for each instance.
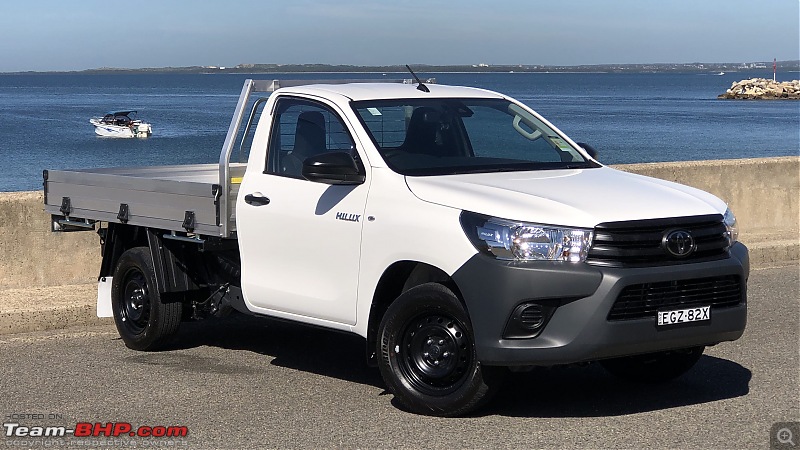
(490, 169)
(582, 165)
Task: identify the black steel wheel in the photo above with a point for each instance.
(135, 301)
(143, 320)
(654, 367)
(427, 354)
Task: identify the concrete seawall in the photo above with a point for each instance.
(764, 193)
(31, 255)
(60, 269)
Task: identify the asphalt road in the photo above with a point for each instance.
(254, 383)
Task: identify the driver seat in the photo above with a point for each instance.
(309, 140)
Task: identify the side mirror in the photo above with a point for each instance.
(589, 149)
(333, 168)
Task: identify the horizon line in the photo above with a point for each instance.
(795, 64)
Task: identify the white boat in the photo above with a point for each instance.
(122, 124)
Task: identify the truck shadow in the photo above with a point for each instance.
(563, 391)
(291, 345)
(589, 391)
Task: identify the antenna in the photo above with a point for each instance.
(420, 86)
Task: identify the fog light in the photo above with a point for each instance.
(528, 320)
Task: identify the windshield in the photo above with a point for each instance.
(450, 136)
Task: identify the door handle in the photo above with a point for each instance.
(256, 200)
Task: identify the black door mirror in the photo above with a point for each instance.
(589, 149)
(333, 168)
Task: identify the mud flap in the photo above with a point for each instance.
(104, 297)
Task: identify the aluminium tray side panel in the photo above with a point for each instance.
(157, 197)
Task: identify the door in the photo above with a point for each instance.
(300, 241)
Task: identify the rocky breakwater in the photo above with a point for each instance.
(763, 89)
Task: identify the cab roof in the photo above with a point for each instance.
(385, 91)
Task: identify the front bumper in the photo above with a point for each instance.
(579, 329)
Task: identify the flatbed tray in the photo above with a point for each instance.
(159, 197)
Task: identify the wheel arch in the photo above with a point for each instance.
(114, 241)
(179, 267)
(396, 279)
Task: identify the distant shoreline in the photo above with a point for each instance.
(710, 68)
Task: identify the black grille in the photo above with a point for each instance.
(639, 243)
(643, 300)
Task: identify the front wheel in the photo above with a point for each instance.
(427, 354)
(654, 367)
(143, 320)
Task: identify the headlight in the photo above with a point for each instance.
(520, 241)
(730, 225)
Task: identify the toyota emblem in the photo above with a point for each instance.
(678, 243)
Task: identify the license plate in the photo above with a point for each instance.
(684, 315)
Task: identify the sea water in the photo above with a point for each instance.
(628, 118)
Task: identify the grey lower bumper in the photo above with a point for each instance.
(578, 329)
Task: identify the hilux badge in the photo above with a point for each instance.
(678, 243)
(348, 217)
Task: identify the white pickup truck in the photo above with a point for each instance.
(454, 229)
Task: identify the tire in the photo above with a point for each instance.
(427, 354)
(143, 320)
(654, 367)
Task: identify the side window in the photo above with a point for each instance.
(302, 129)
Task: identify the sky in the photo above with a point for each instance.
(47, 35)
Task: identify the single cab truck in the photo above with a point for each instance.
(455, 229)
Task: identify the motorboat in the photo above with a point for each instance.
(122, 124)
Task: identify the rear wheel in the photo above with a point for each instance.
(654, 367)
(143, 320)
(427, 354)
